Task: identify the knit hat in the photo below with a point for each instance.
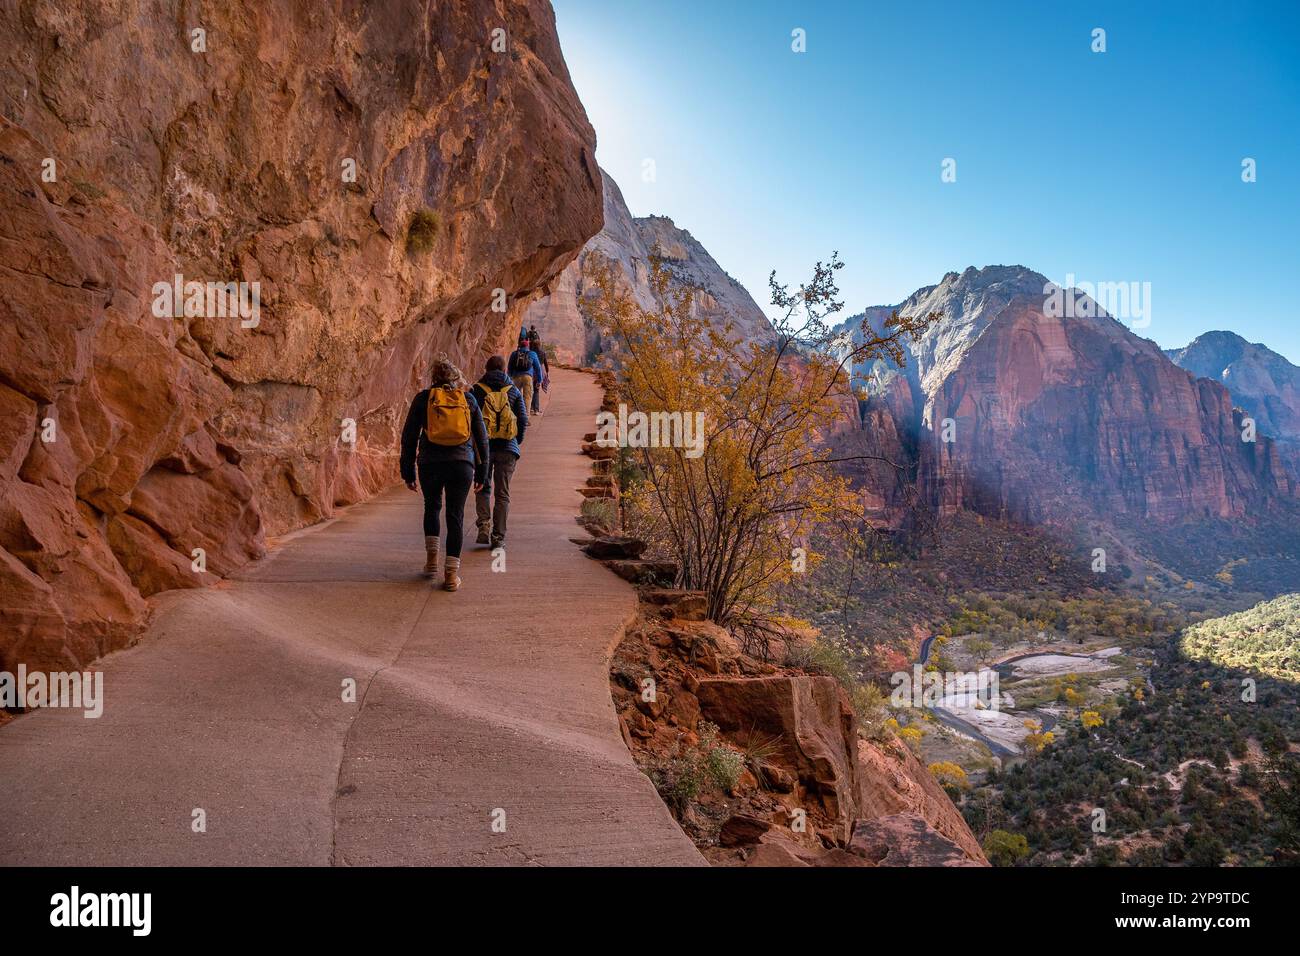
(446, 374)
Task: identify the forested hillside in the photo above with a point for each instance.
(1265, 638)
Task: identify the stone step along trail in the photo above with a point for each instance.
(490, 705)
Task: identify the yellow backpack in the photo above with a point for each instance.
(498, 415)
(447, 421)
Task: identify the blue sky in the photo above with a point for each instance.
(1123, 166)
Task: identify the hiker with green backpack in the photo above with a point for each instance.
(444, 439)
(505, 414)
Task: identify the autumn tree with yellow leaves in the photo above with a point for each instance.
(737, 514)
(949, 775)
(1037, 740)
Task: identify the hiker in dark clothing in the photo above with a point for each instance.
(544, 382)
(535, 343)
(525, 370)
(506, 418)
(445, 441)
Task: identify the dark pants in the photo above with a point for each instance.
(492, 514)
(456, 477)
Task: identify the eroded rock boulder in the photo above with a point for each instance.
(644, 572)
(905, 839)
(807, 725)
(615, 547)
(894, 781)
(682, 605)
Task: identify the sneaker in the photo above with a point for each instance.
(482, 538)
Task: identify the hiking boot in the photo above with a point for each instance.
(451, 579)
(499, 543)
(482, 538)
(430, 556)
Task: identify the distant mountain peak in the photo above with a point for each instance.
(627, 242)
(1263, 383)
(1220, 335)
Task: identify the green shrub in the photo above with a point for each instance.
(600, 510)
(88, 189)
(822, 657)
(682, 778)
(422, 231)
(626, 471)
(798, 654)
(722, 764)
(1005, 849)
(869, 703)
(678, 780)
(759, 751)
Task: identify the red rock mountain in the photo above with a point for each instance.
(133, 438)
(625, 243)
(1052, 418)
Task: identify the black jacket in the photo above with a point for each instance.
(492, 381)
(474, 451)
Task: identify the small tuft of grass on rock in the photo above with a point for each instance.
(88, 189)
(422, 232)
(601, 511)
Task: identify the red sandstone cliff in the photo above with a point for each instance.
(1054, 417)
(229, 164)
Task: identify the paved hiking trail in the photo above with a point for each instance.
(495, 698)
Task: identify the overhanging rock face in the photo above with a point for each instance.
(290, 147)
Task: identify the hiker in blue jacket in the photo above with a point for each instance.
(506, 416)
(525, 370)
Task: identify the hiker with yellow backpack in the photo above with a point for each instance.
(445, 440)
(505, 415)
